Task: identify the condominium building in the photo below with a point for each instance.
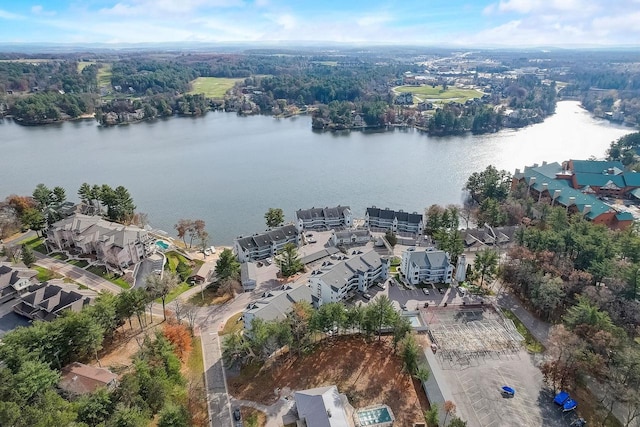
(342, 276)
(430, 266)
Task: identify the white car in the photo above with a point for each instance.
(382, 286)
(426, 291)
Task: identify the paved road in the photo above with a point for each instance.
(210, 319)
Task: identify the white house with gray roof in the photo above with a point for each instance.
(275, 305)
(396, 221)
(426, 265)
(342, 276)
(323, 407)
(112, 243)
(265, 245)
(324, 218)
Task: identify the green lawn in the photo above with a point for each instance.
(102, 272)
(36, 244)
(59, 256)
(531, 343)
(451, 94)
(212, 87)
(182, 287)
(174, 258)
(78, 263)
(234, 324)
(44, 274)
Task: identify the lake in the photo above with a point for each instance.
(228, 170)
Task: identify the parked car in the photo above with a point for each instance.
(426, 291)
(268, 261)
(382, 286)
(236, 414)
(366, 296)
(311, 240)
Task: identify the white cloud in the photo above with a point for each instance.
(39, 10)
(10, 15)
(518, 6)
(163, 7)
(374, 19)
(622, 23)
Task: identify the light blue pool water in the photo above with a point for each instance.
(374, 416)
(162, 245)
(415, 322)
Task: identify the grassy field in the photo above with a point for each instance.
(436, 93)
(531, 343)
(212, 87)
(104, 75)
(233, 325)
(84, 64)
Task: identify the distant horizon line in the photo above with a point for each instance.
(307, 44)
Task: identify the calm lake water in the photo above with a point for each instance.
(228, 170)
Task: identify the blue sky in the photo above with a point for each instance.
(423, 22)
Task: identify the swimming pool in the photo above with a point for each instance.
(375, 416)
(162, 245)
(415, 322)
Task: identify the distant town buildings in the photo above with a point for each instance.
(342, 276)
(426, 265)
(553, 184)
(267, 244)
(324, 218)
(377, 219)
(112, 243)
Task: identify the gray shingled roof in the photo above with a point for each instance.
(313, 213)
(429, 259)
(388, 214)
(276, 304)
(322, 407)
(268, 237)
(338, 274)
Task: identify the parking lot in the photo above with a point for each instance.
(478, 353)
